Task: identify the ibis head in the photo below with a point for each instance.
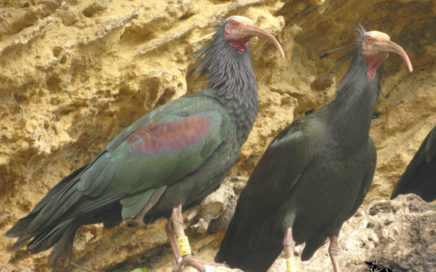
(376, 47)
(238, 31)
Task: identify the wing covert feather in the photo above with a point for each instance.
(281, 166)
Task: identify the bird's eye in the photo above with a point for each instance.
(369, 40)
(233, 24)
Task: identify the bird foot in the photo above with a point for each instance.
(189, 260)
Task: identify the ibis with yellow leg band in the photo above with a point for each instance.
(291, 265)
(184, 247)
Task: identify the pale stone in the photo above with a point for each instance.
(70, 83)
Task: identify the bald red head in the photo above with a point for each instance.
(376, 46)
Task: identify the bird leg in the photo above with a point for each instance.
(334, 252)
(172, 239)
(289, 245)
(180, 244)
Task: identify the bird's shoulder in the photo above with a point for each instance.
(306, 131)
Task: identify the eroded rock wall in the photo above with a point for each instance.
(76, 73)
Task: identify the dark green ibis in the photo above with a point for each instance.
(315, 173)
(420, 175)
(173, 156)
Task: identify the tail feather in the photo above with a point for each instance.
(56, 219)
(257, 245)
(255, 260)
(58, 188)
(22, 240)
(61, 253)
(44, 240)
(35, 223)
(54, 210)
(19, 228)
(311, 246)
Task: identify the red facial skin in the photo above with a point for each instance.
(239, 31)
(238, 44)
(373, 63)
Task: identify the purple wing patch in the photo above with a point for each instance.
(158, 137)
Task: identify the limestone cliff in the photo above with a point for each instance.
(75, 73)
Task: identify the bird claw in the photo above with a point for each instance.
(189, 260)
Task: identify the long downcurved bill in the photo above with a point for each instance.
(253, 30)
(390, 46)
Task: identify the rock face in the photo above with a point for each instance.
(76, 73)
(398, 234)
(395, 234)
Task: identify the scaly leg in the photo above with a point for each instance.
(334, 252)
(289, 245)
(176, 232)
(172, 238)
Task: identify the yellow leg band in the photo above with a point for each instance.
(291, 265)
(184, 247)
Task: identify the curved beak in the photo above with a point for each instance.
(252, 30)
(390, 46)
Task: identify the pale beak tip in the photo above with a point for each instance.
(409, 66)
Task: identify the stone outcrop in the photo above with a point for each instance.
(75, 73)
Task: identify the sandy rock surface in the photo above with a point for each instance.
(398, 234)
(75, 73)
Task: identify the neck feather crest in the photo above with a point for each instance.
(232, 79)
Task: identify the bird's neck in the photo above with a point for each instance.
(232, 81)
(350, 114)
(237, 91)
